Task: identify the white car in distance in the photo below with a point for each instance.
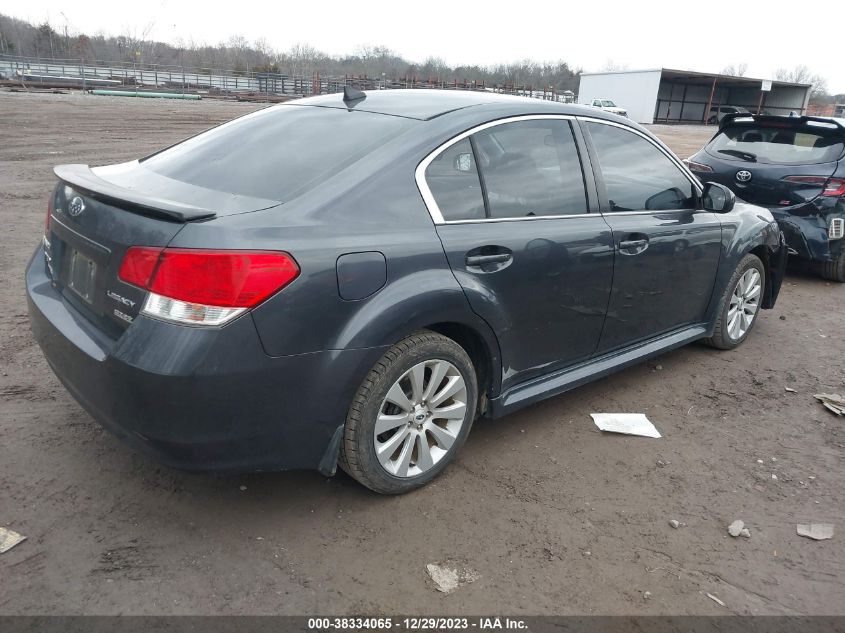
(608, 106)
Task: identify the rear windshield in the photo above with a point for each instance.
(776, 145)
(278, 153)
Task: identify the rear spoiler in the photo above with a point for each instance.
(84, 180)
(739, 117)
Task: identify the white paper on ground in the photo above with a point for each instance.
(628, 423)
(817, 531)
(8, 539)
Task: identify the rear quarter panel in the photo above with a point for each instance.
(373, 207)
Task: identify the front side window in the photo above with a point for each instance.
(637, 175)
(453, 180)
(531, 168)
(609, 104)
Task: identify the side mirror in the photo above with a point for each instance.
(718, 198)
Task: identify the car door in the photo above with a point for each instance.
(667, 249)
(511, 206)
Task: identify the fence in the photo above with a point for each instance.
(79, 73)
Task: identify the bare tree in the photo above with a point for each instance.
(803, 75)
(302, 59)
(737, 70)
(612, 66)
(133, 44)
(436, 68)
(18, 37)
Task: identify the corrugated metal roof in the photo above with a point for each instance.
(673, 73)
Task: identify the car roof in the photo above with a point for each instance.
(429, 104)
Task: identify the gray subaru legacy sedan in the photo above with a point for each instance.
(353, 279)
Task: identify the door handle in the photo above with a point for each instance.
(632, 244)
(480, 260)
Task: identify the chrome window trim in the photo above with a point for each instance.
(672, 158)
(520, 219)
(431, 203)
(437, 215)
(652, 212)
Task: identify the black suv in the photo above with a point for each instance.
(794, 167)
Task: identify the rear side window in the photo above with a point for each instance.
(523, 169)
(278, 153)
(776, 145)
(638, 176)
(453, 180)
(531, 168)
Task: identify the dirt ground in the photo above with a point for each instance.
(554, 516)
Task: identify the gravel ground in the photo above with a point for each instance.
(552, 516)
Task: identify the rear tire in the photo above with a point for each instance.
(740, 303)
(411, 415)
(834, 270)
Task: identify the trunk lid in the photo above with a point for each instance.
(84, 246)
(97, 214)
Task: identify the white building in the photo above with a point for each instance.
(662, 95)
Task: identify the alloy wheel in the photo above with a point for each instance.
(745, 303)
(420, 418)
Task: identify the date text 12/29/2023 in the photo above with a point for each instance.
(428, 623)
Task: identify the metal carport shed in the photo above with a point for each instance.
(663, 95)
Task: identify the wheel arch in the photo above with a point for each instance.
(484, 359)
(761, 251)
(772, 251)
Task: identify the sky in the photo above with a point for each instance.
(703, 36)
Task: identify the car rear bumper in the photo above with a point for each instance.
(198, 398)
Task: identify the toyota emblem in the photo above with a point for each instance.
(76, 206)
(743, 175)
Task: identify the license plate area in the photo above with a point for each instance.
(82, 273)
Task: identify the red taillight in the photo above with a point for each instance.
(138, 265)
(232, 279)
(833, 187)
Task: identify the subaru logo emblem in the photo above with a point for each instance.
(76, 206)
(743, 175)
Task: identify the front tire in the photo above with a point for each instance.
(411, 414)
(740, 304)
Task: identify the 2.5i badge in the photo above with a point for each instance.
(121, 315)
